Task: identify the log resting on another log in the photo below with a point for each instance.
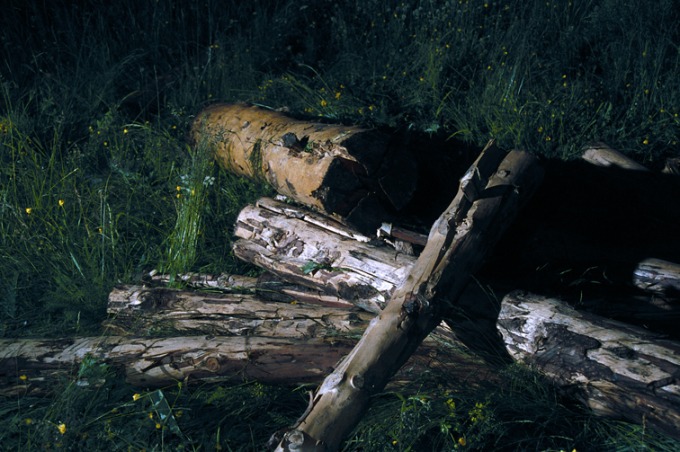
(354, 271)
(486, 203)
(477, 310)
(357, 174)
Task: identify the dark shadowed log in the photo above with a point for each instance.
(617, 370)
(485, 204)
(365, 273)
(355, 173)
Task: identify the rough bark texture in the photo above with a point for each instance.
(486, 203)
(355, 173)
(617, 370)
(351, 270)
(153, 362)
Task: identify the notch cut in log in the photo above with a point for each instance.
(354, 173)
(456, 246)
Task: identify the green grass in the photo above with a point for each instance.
(98, 184)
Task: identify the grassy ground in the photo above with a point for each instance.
(98, 184)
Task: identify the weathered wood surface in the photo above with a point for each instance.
(142, 311)
(348, 171)
(459, 240)
(277, 237)
(296, 355)
(617, 370)
(153, 362)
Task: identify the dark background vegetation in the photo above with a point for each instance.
(96, 99)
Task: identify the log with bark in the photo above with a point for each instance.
(357, 174)
(352, 269)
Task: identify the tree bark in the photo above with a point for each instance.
(351, 270)
(355, 173)
(617, 370)
(486, 203)
(30, 365)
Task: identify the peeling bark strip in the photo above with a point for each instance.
(617, 370)
(459, 240)
(348, 171)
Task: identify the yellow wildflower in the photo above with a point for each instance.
(61, 203)
(136, 396)
(28, 210)
(462, 441)
(23, 377)
(324, 103)
(28, 421)
(61, 428)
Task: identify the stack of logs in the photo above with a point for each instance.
(600, 233)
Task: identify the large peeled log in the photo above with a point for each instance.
(354, 173)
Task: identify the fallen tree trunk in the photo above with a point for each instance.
(354, 173)
(31, 364)
(479, 311)
(617, 370)
(458, 242)
(303, 346)
(602, 155)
